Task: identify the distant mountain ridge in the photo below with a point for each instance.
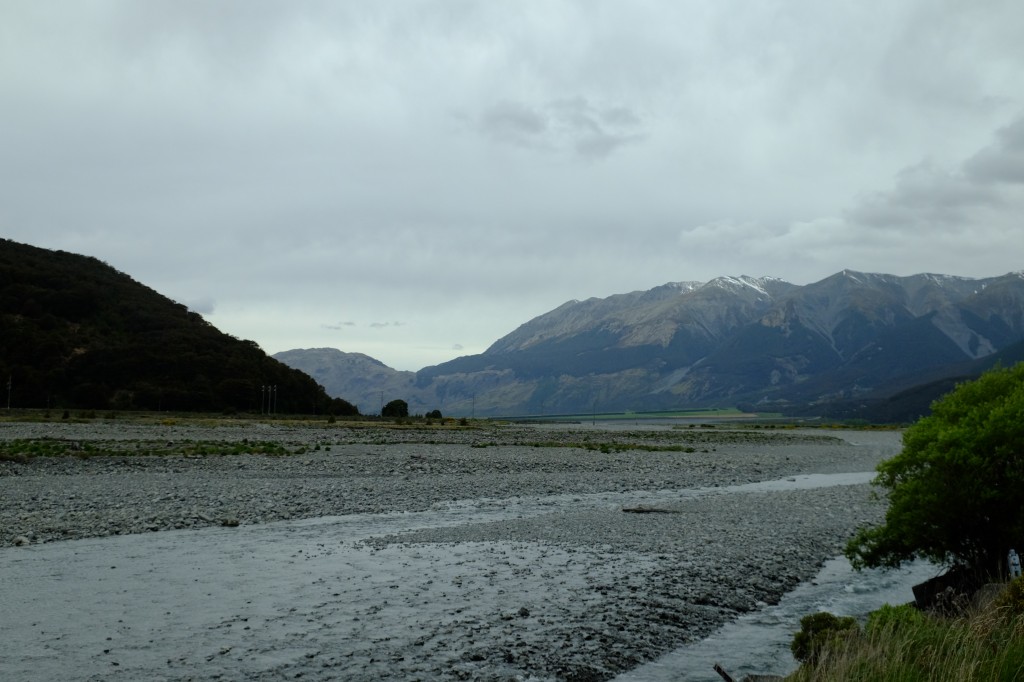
(759, 342)
(365, 381)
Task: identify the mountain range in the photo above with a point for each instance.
(854, 344)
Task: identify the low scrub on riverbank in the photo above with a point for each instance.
(22, 450)
(902, 644)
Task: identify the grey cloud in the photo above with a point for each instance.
(1002, 161)
(924, 193)
(597, 131)
(572, 125)
(620, 116)
(513, 123)
(338, 326)
(457, 346)
(601, 145)
(575, 113)
(309, 148)
(383, 325)
(929, 194)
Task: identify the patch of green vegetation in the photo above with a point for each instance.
(210, 448)
(956, 490)
(901, 644)
(821, 631)
(22, 450)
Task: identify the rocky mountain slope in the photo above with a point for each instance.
(364, 381)
(758, 342)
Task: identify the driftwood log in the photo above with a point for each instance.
(648, 510)
(725, 676)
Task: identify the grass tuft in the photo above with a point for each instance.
(900, 644)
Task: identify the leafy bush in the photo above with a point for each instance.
(891, 618)
(901, 645)
(956, 491)
(1011, 599)
(819, 630)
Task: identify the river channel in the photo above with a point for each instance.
(319, 599)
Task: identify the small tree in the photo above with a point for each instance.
(956, 491)
(395, 408)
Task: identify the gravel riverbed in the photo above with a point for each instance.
(506, 550)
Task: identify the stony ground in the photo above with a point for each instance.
(696, 560)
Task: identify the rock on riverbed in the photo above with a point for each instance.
(481, 554)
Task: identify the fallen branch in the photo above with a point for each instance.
(648, 510)
(725, 676)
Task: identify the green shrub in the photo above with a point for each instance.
(899, 645)
(818, 631)
(892, 618)
(1011, 599)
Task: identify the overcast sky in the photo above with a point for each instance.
(415, 179)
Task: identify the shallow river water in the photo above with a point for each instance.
(759, 642)
(272, 601)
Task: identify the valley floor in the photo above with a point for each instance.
(486, 554)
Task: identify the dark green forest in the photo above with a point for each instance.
(77, 334)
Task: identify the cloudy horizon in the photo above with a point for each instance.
(415, 180)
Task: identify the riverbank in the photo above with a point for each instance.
(497, 554)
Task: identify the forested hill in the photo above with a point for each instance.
(76, 333)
